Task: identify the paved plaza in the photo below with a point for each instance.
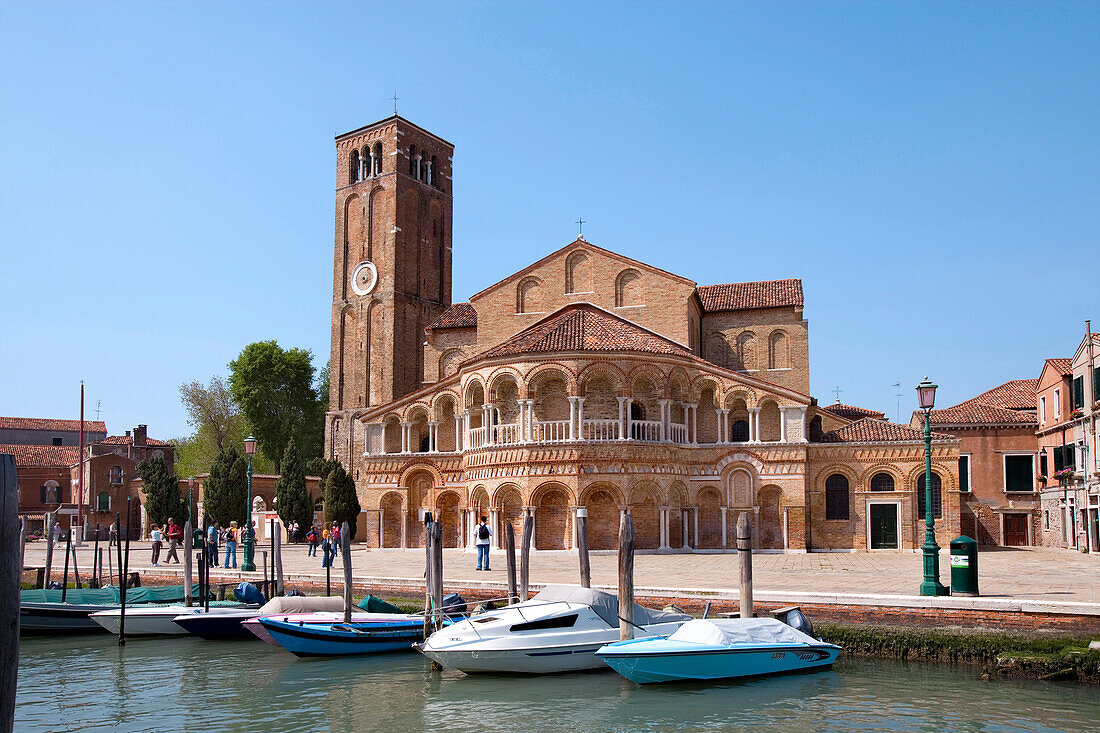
(1032, 574)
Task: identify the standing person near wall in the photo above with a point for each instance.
(482, 537)
(55, 533)
(212, 544)
(175, 535)
(157, 537)
(311, 538)
(335, 541)
(231, 544)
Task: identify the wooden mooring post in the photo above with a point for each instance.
(437, 573)
(48, 535)
(510, 561)
(582, 548)
(65, 575)
(93, 582)
(124, 575)
(525, 556)
(744, 561)
(188, 541)
(427, 573)
(22, 545)
(626, 577)
(11, 573)
(278, 563)
(76, 568)
(345, 545)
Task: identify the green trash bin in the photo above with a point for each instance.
(964, 567)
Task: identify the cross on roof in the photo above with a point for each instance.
(837, 390)
(580, 227)
(395, 98)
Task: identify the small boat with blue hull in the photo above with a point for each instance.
(713, 649)
(381, 633)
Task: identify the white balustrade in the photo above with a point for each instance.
(679, 433)
(647, 430)
(600, 430)
(477, 437)
(508, 433)
(551, 431)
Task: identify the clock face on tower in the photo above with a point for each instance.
(364, 278)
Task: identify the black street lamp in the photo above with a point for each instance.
(926, 398)
(249, 538)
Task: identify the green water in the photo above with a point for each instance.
(167, 685)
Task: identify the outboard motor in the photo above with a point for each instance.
(453, 604)
(797, 620)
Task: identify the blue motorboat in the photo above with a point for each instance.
(712, 649)
(388, 633)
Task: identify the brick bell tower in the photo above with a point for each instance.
(392, 268)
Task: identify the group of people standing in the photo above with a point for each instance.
(327, 538)
(171, 532)
(228, 538)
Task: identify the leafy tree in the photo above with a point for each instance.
(162, 492)
(225, 493)
(292, 499)
(322, 385)
(274, 388)
(218, 423)
(341, 501)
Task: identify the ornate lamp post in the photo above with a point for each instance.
(249, 537)
(926, 398)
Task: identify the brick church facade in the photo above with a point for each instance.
(588, 379)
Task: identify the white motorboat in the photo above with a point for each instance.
(158, 620)
(559, 630)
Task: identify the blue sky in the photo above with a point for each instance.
(929, 170)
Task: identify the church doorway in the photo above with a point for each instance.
(883, 521)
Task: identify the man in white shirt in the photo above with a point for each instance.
(482, 539)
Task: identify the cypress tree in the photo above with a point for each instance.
(225, 493)
(341, 501)
(162, 492)
(292, 499)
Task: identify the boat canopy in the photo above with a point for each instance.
(109, 596)
(301, 604)
(605, 604)
(738, 631)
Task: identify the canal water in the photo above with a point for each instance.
(167, 685)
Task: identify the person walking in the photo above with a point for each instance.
(212, 533)
(327, 552)
(56, 534)
(311, 538)
(112, 535)
(175, 535)
(293, 532)
(482, 537)
(157, 537)
(335, 539)
(231, 544)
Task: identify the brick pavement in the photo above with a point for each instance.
(1032, 574)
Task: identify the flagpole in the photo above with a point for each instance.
(80, 477)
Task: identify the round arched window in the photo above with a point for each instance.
(882, 482)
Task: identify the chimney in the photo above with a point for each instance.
(127, 433)
(140, 435)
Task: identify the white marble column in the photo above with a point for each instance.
(381, 538)
(782, 424)
(487, 423)
(684, 528)
(622, 417)
(723, 528)
(406, 437)
(695, 532)
(805, 425)
(754, 414)
(664, 528)
(521, 421)
(531, 419)
(694, 423)
(433, 437)
(494, 523)
(459, 437)
(580, 418)
(572, 417)
(666, 414)
(725, 425)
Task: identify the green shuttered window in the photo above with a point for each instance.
(1019, 473)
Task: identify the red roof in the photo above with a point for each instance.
(1063, 366)
(43, 456)
(973, 412)
(1017, 394)
(746, 296)
(852, 412)
(46, 423)
(584, 327)
(459, 315)
(129, 440)
(871, 430)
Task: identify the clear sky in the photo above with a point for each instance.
(167, 170)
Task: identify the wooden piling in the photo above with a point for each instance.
(99, 566)
(11, 573)
(76, 568)
(65, 576)
(48, 534)
(525, 556)
(278, 564)
(263, 583)
(510, 558)
(124, 576)
(744, 561)
(345, 546)
(22, 545)
(626, 578)
(582, 547)
(437, 573)
(93, 582)
(188, 544)
(427, 574)
(121, 582)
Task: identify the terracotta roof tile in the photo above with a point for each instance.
(973, 412)
(43, 456)
(871, 430)
(1017, 394)
(852, 412)
(129, 440)
(1062, 365)
(746, 296)
(459, 315)
(45, 423)
(584, 327)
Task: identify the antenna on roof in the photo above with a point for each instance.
(897, 393)
(97, 404)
